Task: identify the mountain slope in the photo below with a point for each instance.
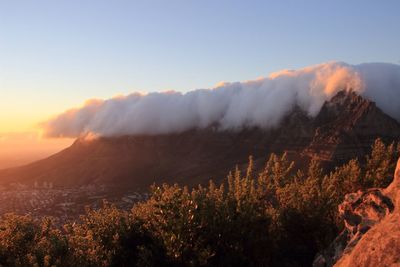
(345, 128)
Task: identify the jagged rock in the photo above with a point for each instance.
(372, 229)
(362, 210)
(346, 127)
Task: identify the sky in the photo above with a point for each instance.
(57, 54)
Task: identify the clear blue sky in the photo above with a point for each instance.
(54, 54)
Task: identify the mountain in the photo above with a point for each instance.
(345, 127)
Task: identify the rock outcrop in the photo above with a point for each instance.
(372, 229)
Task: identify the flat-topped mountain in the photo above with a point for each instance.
(345, 128)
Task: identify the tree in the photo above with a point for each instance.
(380, 164)
(343, 180)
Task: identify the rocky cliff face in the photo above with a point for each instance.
(346, 126)
(372, 229)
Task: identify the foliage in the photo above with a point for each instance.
(210, 226)
(277, 217)
(109, 237)
(381, 164)
(26, 242)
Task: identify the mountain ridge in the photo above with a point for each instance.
(345, 128)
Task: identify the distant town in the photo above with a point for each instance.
(43, 199)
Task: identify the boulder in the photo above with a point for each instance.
(371, 236)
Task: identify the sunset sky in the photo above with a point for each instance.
(54, 55)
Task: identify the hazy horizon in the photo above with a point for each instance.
(20, 148)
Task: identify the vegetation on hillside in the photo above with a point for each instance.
(278, 217)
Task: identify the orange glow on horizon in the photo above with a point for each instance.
(19, 148)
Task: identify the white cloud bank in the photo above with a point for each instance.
(262, 102)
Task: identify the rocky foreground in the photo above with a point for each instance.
(372, 229)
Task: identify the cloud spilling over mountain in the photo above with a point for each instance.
(261, 103)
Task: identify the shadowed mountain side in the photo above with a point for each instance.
(141, 160)
(345, 128)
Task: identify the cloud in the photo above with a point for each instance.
(261, 103)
